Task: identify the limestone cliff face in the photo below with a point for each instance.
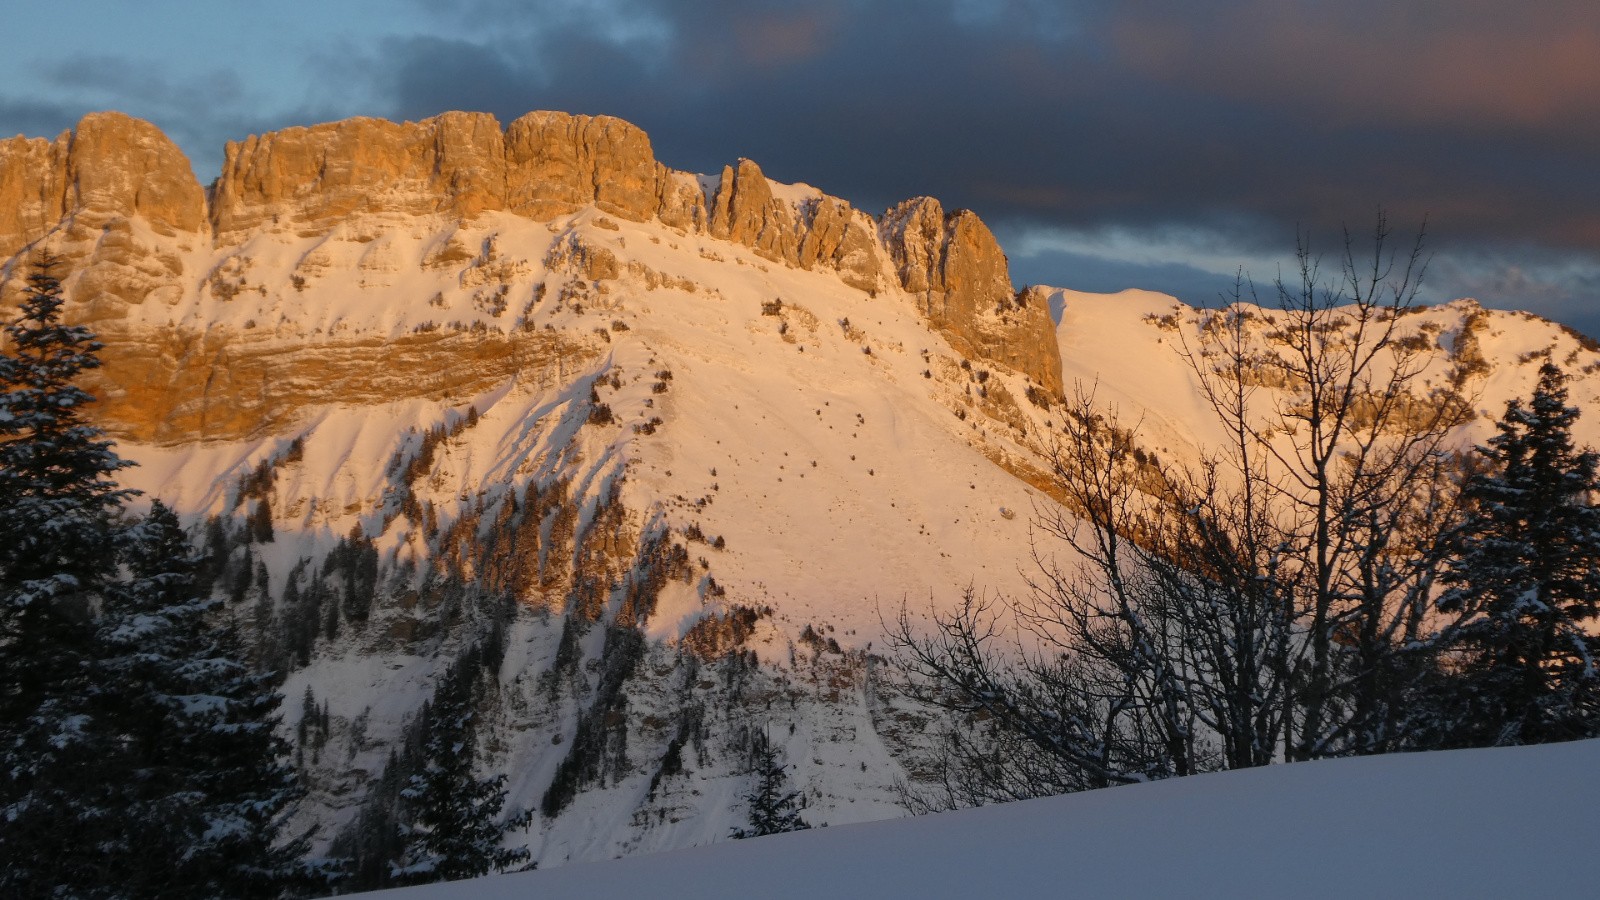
(954, 267)
(823, 231)
(80, 195)
(545, 164)
(111, 166)
(121, 204)
(312, 178)
(557, 163)
(180, 384)
(841, 238)
(745, 212)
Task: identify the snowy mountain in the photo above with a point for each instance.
(679, 444)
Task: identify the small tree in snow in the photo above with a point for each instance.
(451, 826)
(773, 807)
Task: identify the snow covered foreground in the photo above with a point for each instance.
(1514, 822)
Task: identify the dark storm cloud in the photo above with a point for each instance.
(1234, 122)
(1478, 115)
(1242, 120)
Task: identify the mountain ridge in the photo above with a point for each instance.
(688, 473)
(79, 192)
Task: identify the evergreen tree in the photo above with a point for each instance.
(773, 807)
(1525, 583)
(58, 502)
(260, 521)
(137, 753)
(451, 820)
(208, 782)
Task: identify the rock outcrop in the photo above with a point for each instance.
(557, 163)
(819, 231)
(841, 238)
(744, 212)
(954, 267)
(545, 164)
(111, 166)
(311, 178)
(179, 384)
(80, 197)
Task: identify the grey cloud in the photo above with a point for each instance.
(1560, 286)
(35, 118)
(199, 114)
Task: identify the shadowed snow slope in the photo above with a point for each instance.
(1477, 823)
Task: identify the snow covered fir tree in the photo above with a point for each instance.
(772, 806)
(140, 753)
(199, 728)
(1521, 661)
(452, 825)
(58, 502)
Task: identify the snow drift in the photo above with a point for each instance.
(1468, 823)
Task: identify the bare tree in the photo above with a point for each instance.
(1266, 601)
(1349, 470)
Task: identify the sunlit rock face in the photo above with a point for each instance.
(308, 179)
(119, 204)
(111, 166)
(954, 267)
(85, 190)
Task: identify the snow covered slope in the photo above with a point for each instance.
(818, 453)
(1515, 822)
(736, 418)
(1130, 350)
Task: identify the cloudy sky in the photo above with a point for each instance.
(1131, 144)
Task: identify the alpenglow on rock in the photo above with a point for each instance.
(110, 166)
(119, 203)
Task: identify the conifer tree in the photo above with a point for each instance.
(58, 500)
(207, 777)
(451, 820)
(260, 521)
(137, 752)
(1525, 584)
(773, 807)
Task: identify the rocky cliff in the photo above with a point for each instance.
(120, 203)
(111, 166)
(955, 269)
(543, 165)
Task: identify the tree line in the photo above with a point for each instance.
(1335, 578)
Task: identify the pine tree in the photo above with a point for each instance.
(57, 506)
(137, 753)
(773, 807)
(451, 821)
(1525, 583)
(208, 780)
